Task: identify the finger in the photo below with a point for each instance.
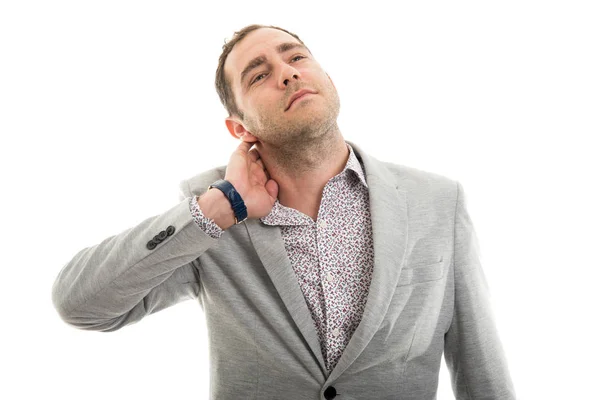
(262, 165)
(244, 147)
(272, 188)
(253, 155)
(267, 173)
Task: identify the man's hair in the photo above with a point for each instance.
(222, 83)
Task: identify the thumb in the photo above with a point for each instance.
(272, 188)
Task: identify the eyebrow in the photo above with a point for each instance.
(260, 60)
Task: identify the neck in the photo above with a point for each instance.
(303, 169)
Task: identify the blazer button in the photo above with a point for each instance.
(150, 245)
(170, 230)
(162, 235)
(330, 393)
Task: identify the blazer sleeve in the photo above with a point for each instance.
(121, 280)
(472, 349)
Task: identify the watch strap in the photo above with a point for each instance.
(237, 204)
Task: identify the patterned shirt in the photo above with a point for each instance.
(331, 257)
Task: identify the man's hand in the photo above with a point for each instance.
(247, 173)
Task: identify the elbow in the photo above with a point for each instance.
(79, 319)
(59, 301)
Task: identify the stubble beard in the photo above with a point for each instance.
(296, 145)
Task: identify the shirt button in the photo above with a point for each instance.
(329, 277)
(336, 332)
(323, 223)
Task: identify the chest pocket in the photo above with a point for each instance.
(421, 273)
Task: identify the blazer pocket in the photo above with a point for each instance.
(419, 274)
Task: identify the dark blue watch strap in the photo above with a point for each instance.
(237, 204)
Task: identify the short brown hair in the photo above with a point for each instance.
(222, 84)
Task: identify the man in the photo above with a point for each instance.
(323, 272)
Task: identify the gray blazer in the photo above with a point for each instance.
(428, 297)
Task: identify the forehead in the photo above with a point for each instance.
(261, 41)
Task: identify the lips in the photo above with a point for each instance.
(299, 93)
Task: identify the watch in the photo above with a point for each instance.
(237, 204)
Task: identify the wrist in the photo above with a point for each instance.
(216, 206)
(238, 206)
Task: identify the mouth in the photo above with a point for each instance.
(297, 96)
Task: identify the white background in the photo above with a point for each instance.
(106, 106)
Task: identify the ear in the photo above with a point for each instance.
(238, 131)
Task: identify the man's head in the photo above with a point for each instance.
(259, 71)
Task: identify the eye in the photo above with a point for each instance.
(257, 76)
(255, 79)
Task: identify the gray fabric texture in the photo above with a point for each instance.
(428, 297)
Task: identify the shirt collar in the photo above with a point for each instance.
(355, 165)
(282, 215)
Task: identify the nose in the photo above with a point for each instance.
(287, 75)
(286, 81)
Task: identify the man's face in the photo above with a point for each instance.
(263, 93)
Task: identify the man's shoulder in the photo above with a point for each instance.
(410, 179)
(198, 184)
(424, 190)
(412, 176)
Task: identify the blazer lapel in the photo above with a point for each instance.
(268, 243)
(389, 219)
